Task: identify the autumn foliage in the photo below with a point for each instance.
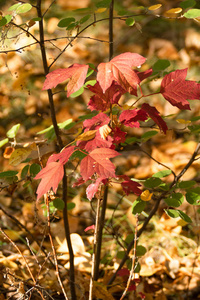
(104, 132)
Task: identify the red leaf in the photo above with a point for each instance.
(102, 101)
(98, 162)
(96, 122)
(76, 74)
(131, 117)
(96, 142)
(130, 186)
(154, 115)
(93, 188)
(89, 227)
(120, 70)
(145, 74)
(119, 136)
(51, 175)
(63, 156)
(177, 90)
(123, 272)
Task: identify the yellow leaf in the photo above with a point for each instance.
(182, 121)
(100, 10)
(86, 136)
(176, 10)
(154, 7)
(146, 195)
(19, 155)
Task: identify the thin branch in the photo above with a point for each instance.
(133, 260)
(53, 248)
(96, 234)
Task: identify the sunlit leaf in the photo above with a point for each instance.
(163, 173)
(130, 21)
(192, 13)
(5, 20)
(176, 10)
(13, 131)
(154, 7)
(3, 142)
(146, 195)
(23, 8)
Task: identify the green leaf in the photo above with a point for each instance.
(104, 3)
(34, 169)
(91, 82)
(3, 142)
(178, 213)
(130, 21)
(162, 174)
(147, 135)
(186, 184)
(192, 13)
(194, 128)
(129, 238)
(137, 267)
(24, 8)
(65, 22)
(8, 174)
(131, 140)
(70, 205)
(77, 93)
(72, 26)
(78, 154)
(140, 250)
(161, 65)
(120, 254)
(91, 70)
(66, 124)
(36, 19)
(138, 206)
(175, 200)
(84, 19)
(5, 20)
(59, 203)
(24, 171)
(14, 7)
(13, 131)
(193, 196)
(188, 3)
(152, 182)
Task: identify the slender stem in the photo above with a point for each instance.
(100, 233)
(54, 250)
(46, 71)
(94, 248)
(67, 235)
(111, 29)
(133, 260)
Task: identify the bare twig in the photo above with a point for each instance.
(133, 260)
(53, 248)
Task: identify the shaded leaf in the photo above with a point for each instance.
(154, 115)
(138, 206)
(98, 162)
(177, 90)
(163, 173)
(131, 117)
